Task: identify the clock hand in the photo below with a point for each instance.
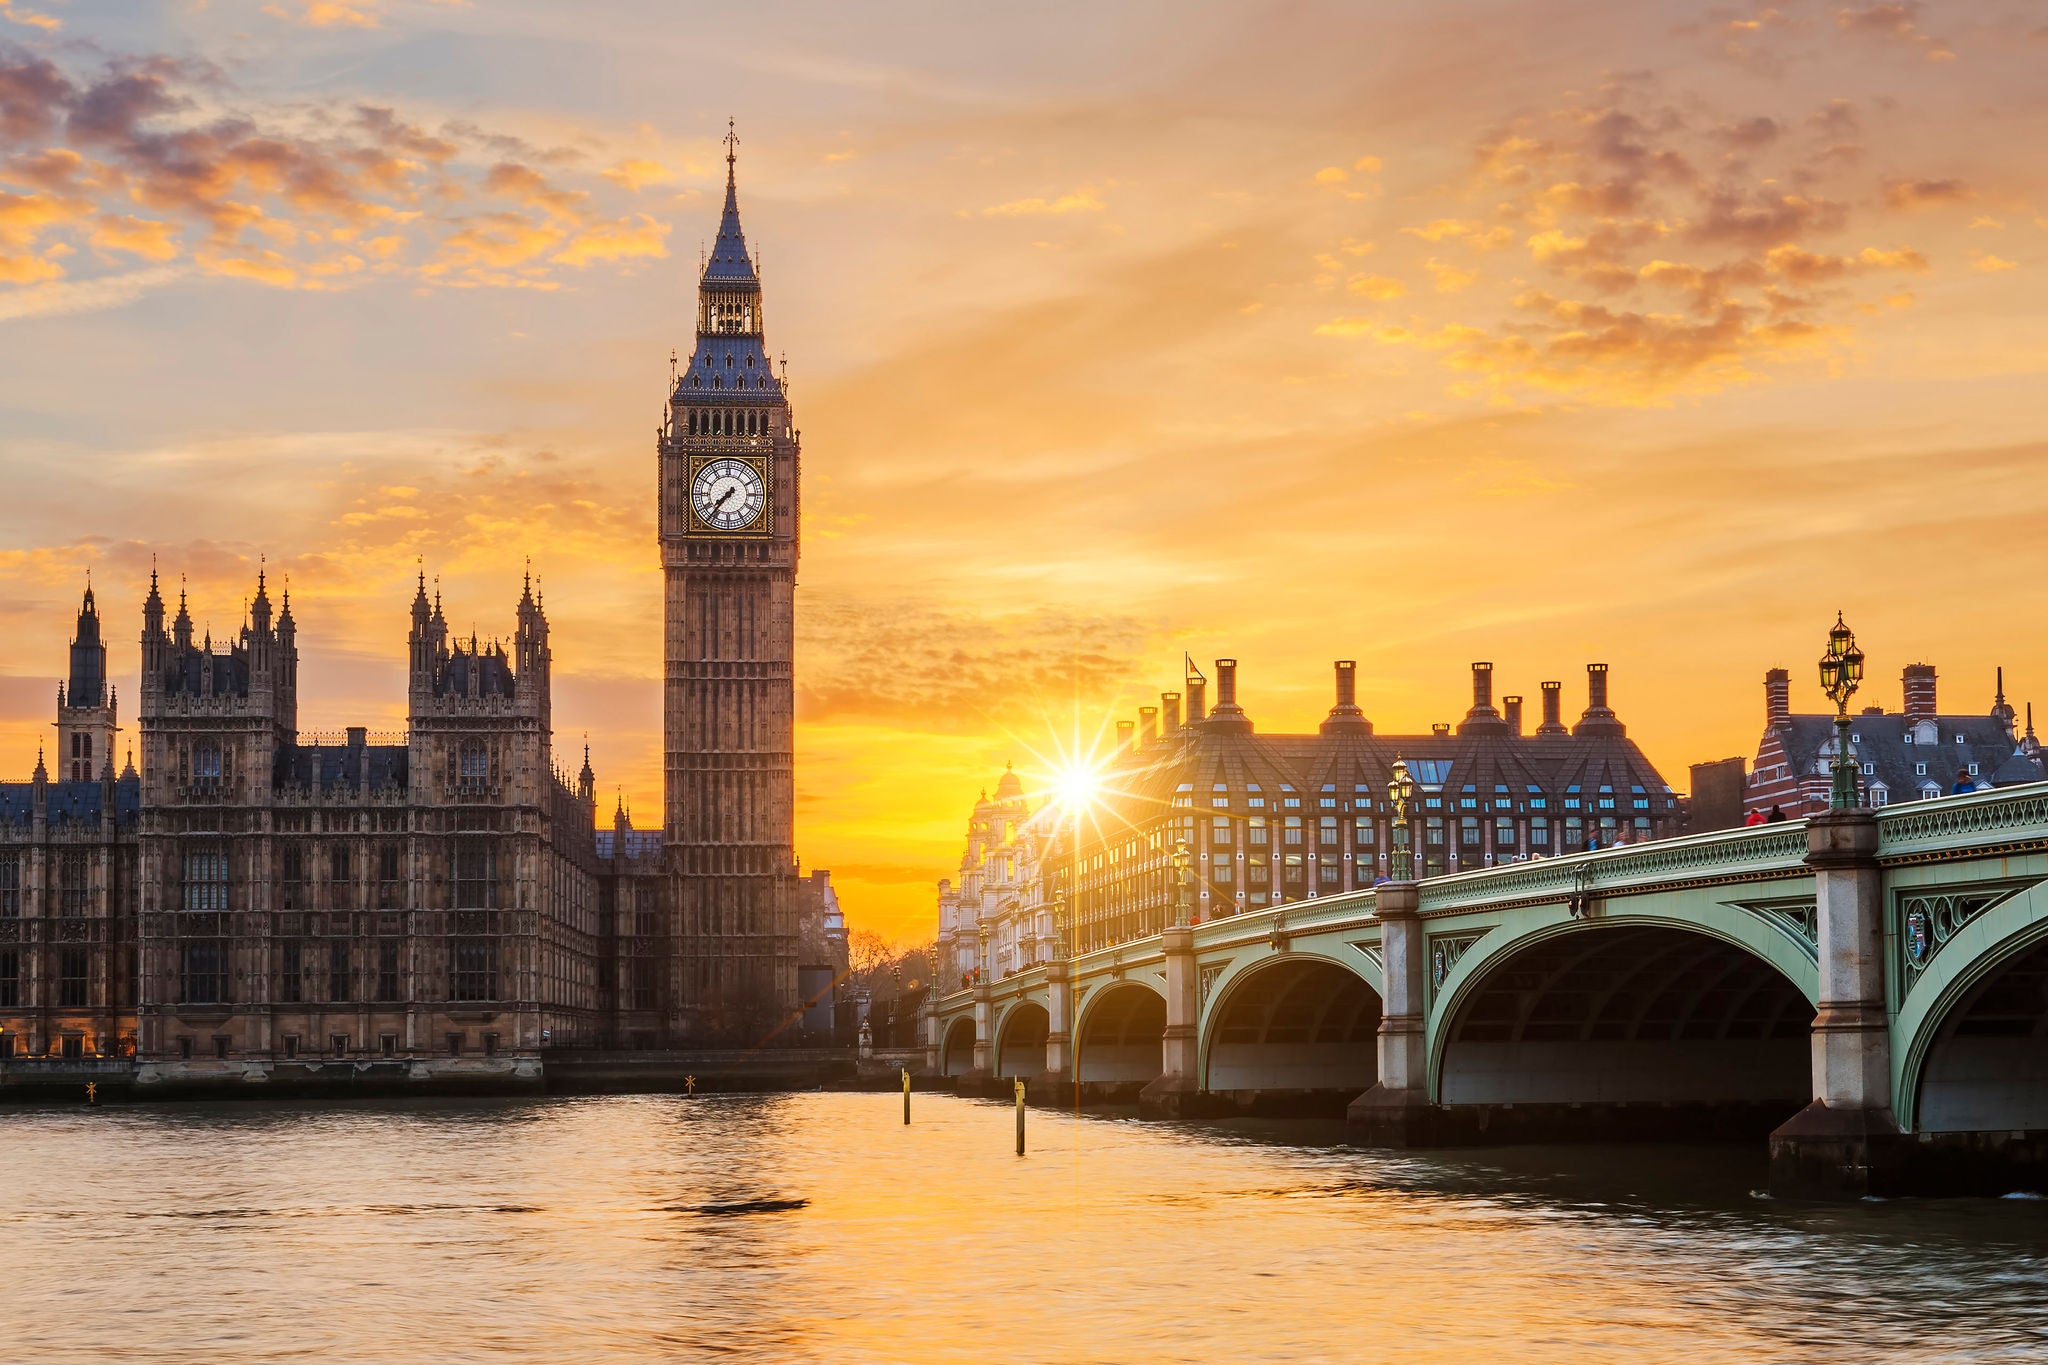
(719, 506)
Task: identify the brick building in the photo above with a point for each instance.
(1913, 754)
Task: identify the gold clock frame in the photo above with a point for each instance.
(764, 525)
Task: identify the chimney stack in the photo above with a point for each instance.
(1198, 706)
(1919, 684)
(1170, 701)
(1228, 714)
(1482, 687)
(1345, 717)
(1599, 717)
(1148, 724)
(1777, 698)
(1553, 710)
(1513, 707)
(1123, 736)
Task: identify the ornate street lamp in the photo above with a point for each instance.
(1059, 925)
(1400, 790)
(1183, 863)
(1841, 669)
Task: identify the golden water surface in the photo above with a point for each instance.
(816, 1227)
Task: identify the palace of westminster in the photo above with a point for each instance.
(244, 900)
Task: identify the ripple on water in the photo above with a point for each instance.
(818, 1228)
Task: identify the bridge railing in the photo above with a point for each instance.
(2000, 816)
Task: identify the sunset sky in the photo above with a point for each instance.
(1415, 333)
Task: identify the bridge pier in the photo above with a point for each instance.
(984, 1030)
(1059, 1011)
(1177, 1094)
(1396, 1112)
(1846, 1144)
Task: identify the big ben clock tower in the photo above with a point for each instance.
(728, 458)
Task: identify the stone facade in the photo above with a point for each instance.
(251, 902)
(728, 457)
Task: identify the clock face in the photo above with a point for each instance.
(728, 495)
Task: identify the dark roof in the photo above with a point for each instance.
(71, 802)
(188, 667)
(1880, 742)
(492, 668)
(343, 766)
(730, 264)
(728, 367)
(640, 843)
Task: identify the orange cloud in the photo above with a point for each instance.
(1080, 201)
(146, 237)
(639, 235)
(635, 173)
(1920, 194)
(1379, 287)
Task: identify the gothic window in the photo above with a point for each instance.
(476, 765)
(206, 879)
(73, 978)
(475, 870)
(390, 887)
(337, 971)
(339, 868)
(10, 885)
(291, 972)
(73, 879)
(387, 971)
(473, 969)
(206, 763)
(10, 978)
(202, 978)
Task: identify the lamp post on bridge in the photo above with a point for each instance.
(1401, 790)
(1841, 669)
(1183, 864)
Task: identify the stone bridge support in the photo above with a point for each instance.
(1846, 1143)
(1059, 1009)
(984, 1030)
(1396, 1112)
(1177, 1092)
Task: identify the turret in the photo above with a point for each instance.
(85, 704)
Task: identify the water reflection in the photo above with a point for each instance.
(817, 1227)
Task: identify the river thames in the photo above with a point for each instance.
(815, 1227)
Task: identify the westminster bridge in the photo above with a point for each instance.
(1871, 988)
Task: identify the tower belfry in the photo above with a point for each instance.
(728, 490)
